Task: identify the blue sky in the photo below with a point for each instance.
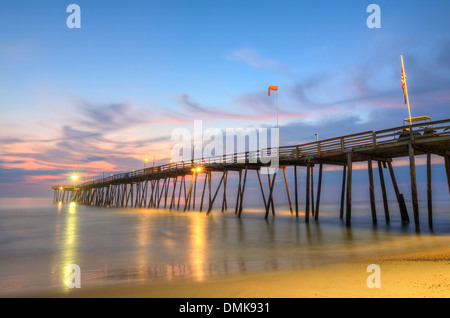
(103, 97)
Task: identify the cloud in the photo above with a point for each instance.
(255, 60)
(71, 133)
(210, 113)
(111, 116)
(88, 138)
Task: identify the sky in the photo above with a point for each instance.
(103, 97)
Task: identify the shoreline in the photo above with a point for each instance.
(415, 274)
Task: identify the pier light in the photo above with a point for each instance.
(60, 188)
(74, 178)
(198, 169)
(72, 204)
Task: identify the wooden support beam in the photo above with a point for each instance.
(319, 189)
(203, 192)
(312, 189)
(242, 192)
(154, 199)
(179, 192)
(308, 184)
(189, 196)
(128, 195)
(238, 196)
(156, 204)
(152, 196)
(287, 190)
(195, 190)
(138, 192)
(344, 171)
(141, 193)
(166, 192)
(271, 195)
(188, 200)
(348, 215)
(209, 186)
(400, 199)
(372, 192)
(271, 186)
(262, 189)
(412, 173)
(124, 194)
(184, 189)
(429, 197)
(118, 195)
(447, 170)
(162, 192)
(296, 189)
(172, 202)
(106, 198)
(224, 200)
(383, 191)
(215, 195)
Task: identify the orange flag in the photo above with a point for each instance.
(273, 88)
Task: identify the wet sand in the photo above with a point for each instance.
(416, 274)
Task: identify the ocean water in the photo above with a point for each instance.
(40, 239)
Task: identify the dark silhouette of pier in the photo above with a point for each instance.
(150, 187)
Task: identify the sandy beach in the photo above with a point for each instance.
(416, 274)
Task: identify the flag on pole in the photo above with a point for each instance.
(403, 78)
(273, 88)
(405, 89)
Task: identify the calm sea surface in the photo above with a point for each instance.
(39, 239)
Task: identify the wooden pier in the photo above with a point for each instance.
(150, 187)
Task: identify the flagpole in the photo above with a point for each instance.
(275, 88)
(406, 91)
(278, 124)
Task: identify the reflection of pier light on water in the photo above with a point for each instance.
(143, 244)
(198, 237)
(69, 243)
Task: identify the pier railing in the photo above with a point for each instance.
(321, 148)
